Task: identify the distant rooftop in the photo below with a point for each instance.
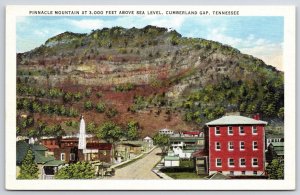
(236, 120)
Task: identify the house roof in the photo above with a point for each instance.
(54, 163)
(172, 158)
(40, 159)
(99, 146)
(38, 147)
(217, 176)
(200, 153)
(278, 144)
(191, 132)
(186, 139)
(148, 138)
(236, 120)
(22, 149)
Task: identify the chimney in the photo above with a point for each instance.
(256, 116)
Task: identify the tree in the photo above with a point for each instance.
(100, 107)
(80, 170)
(88, 105)
(162, 141)
(110, 132)
(29, 170)
(132, 130)
(276, 169)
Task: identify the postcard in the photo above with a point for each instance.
(150, 98)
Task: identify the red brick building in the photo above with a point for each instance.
(236, 146)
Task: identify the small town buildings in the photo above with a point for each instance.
(273, 139)
(236, 146)
(201, 161)
(126, 150)
(102, 152)
(166, 132)
(51, 144)
(185, 146)
(47, 165)
(275, 151)
(148, 143)
(171, 161)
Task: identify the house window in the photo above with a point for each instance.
(242, 162)
(254, 172)
(218, 162)
(230, 145)
(230, 162)
(72, 156)
(62, 156)
(242, 145)
(230, 130)
(242, 130)
(243, 172)
(254, 144)
(217, 131)
(231, 173)
(254, 162)
(254, 129)
(218, 146)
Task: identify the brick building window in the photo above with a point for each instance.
(218, 146)
(254, 144)
(242, 130)
(62, 156)
(230, 162)
(230, 146)
(242, 145)
(72, 156)
(217, 131)
(231, 173)
(254, 172)
(254, 162)
(218, 162)
(243, 172)
(230, 130)
(254, 130)
(242, 162)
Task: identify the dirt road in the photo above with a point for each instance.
(140, 169)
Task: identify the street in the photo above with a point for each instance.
(140, 169)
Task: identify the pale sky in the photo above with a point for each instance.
(259, 36)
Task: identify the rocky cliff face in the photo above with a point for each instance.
(139, 56)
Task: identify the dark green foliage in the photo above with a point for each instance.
(88, 105)
(80, 170)
(67, 97)
(78, 96)
(162, 141)
(111, 112)
(29, 170)
(132, 130)
(35, 106)
(213, 101)
(91, 127)
(124, 87)
(275, 169)
(110, 132)
(100, 107)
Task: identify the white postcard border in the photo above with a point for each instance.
(288, 12)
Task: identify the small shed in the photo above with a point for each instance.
(171, 161)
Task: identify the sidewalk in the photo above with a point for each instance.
(160, 174)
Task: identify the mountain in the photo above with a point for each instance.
(150, 69)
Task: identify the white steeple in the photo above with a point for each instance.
(82, 138)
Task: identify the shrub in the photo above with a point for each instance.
(88, 105)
